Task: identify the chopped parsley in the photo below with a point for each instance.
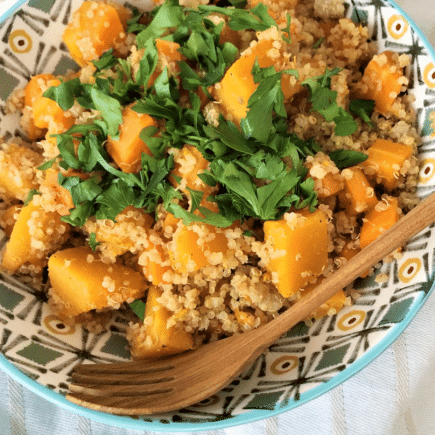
(258, 167)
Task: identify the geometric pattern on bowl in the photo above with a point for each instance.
(307, 361)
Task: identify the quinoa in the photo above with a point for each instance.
(210, 282)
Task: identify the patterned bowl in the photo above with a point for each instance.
(39, 351)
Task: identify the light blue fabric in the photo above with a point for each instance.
(394, 395)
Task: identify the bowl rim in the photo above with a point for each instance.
(250, 416)
(10, 9)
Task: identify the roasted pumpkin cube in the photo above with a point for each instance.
(379, 219)
(154, 338)
(299, 245)
(35, 235)
(95, 27)
(332, 306)
(127, 150)
(383, 80)
(386, 160)
(9, 218)
(359, 195)
(196, 246)
(18, 171)
(81, 282)
(188, 163)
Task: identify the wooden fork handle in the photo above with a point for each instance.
(409, 225)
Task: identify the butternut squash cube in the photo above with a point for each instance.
(188, 163)
(196, 246)
(382, 78)
(300, 249)
(18, 171)
(127, 150)
(153, 338)
(81, 282)
(9, 218)
(121, 236)
(359, 195)
(379, 219)
(332, 306)
(238, 83)
(386, 159)
(95, 27)
(35, 235)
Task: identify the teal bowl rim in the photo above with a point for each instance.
(250, 416)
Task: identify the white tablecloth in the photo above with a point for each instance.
(394, 395)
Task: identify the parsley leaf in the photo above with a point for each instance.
(324, 101)
(346, 158)
(364, 109)
(93, 241)
(110, 109)
(138, 307)
(64, 93)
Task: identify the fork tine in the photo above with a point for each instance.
(120, 379)
(165, 386)
(132, 367)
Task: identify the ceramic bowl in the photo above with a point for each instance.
(40, 351)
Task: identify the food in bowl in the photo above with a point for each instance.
(213, 162)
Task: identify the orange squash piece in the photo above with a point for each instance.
(119, 237)
(156, 265)
(382, 77)
(9, 218)
(386, 158)
(168, 56)
(300, 249)
(237, 86)
(332, 306)
(18, 171)
(188, 163)
(359, 194)
(82, 282)
(62, 196)
(95, 28)
(47, 114)
(35, 234)
(188, 253)
(127, 150)
(378, 220)
(349, 251)
(154, 338)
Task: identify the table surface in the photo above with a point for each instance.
(394, 395)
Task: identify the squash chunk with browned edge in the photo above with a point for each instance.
(81, 282)
(127, 150)
(386, 160)
(154, 338)
(383, 216)
(299, 245)
(95, 27)
(35, 235)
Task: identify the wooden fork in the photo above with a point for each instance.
(141, 387)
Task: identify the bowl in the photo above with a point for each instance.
(39, 350)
